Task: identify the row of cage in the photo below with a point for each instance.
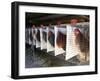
(64, 39)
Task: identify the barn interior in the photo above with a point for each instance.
(38, 58)
(46, 19)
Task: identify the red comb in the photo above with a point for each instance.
(76, 30)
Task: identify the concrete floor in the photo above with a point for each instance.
(37, 58)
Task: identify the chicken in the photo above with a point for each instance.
(38, 35)
(51, 38)
(82, 43)
(45, 36)
(31, 37)
(61, 40)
